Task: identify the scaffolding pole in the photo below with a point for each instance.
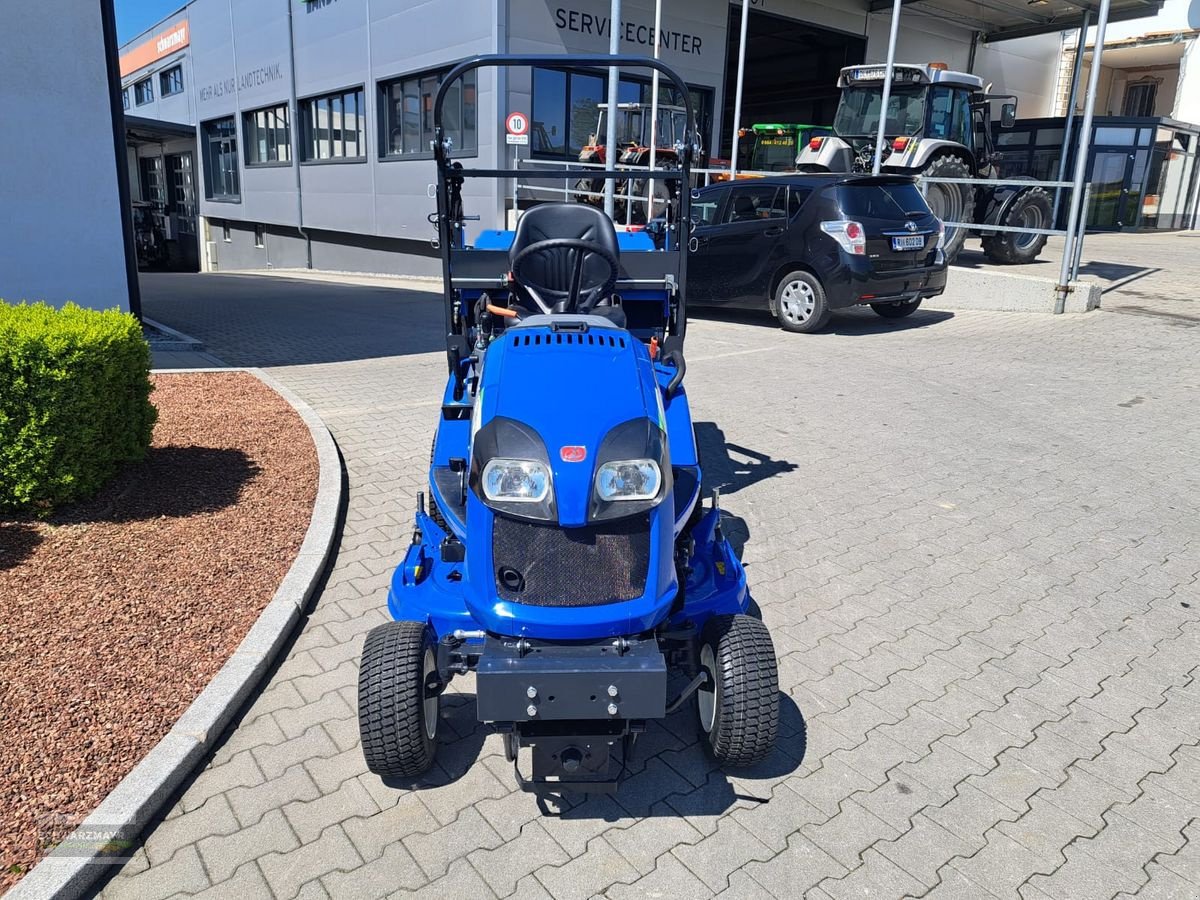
(887, 87)
(654, 113)
(1076, 72)
(614, 77)
(737, 100)
(1076, 225)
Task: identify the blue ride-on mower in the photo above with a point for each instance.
(565, 554)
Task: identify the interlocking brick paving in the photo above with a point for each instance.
(975, 538)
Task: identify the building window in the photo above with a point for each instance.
(170, 82)
(566, 109)
(407, 122)
(334, 127)
(143, 92)
(226, 233)
(219, 146)
(259, 235)
(268, 136)
(125, 98)
(1140, 97)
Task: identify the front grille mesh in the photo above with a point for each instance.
(546, 565)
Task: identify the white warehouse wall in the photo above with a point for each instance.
(61, 234)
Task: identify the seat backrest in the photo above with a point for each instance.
(743, 209)
(563, 220)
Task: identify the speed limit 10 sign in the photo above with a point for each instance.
(517, 126)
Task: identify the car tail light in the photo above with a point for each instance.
(941, 244)
(850, 235)
(815, 143)
(899, 144)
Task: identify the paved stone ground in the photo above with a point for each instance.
(975, 540)
(1141, 274)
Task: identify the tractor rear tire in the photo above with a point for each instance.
(954, 202)
(397, 721)
(896, 310)
(799, 302)
(738, 707)
(1031, 209)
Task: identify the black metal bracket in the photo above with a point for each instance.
(694, 685)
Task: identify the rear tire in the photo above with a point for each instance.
(397, 722)
(1031, 209)
(953, 202)
(738, 709)
(896, 310)
(799, 303)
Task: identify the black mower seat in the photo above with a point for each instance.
(553, 268)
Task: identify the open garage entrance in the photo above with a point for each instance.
(791, 71)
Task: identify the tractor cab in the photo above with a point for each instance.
(774, 147)
(930, 108)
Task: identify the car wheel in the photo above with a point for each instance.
(738, 706)
(897, 310)
(397, 713)
(799, 302)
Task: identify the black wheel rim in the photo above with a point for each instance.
(1031, 217)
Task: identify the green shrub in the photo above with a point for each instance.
(74, 401)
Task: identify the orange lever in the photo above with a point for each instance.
(654, 348)
(502, 311)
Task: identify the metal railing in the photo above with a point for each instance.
(703, 177)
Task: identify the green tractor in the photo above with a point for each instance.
(938, 124)
(774, 147)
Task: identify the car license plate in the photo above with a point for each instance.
(908, 242)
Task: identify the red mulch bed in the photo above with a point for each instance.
(115, 613)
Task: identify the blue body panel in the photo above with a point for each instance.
(571, 391)
(501, 240)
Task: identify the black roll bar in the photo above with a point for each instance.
(449, 172)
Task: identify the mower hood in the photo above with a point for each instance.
(569, 392)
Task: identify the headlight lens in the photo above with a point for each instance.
(516, 480)
(628, 479)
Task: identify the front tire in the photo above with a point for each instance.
(397, 716)
(951, 202)
(897, 310)
(799, 303)
(738, 707)
(1031, 209)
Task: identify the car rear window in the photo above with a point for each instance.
(880, 201)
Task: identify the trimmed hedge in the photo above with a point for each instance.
(74, 401)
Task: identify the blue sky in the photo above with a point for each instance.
(135, 16)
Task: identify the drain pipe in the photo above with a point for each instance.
(294, 129)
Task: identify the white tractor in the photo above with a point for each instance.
(939, 125)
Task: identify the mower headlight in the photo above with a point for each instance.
(515, 480)
(628, 479)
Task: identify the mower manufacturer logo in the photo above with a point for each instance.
(572, 453)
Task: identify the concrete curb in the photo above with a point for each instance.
(992, 291)
(142, 793)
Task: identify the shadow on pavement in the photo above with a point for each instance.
(658, 768)
(1118, 275)
(731, 467)
(267, 320)
(854, 321)
(977, 259)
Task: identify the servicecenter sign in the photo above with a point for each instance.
(630, 31)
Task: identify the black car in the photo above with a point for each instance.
(803, 245)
